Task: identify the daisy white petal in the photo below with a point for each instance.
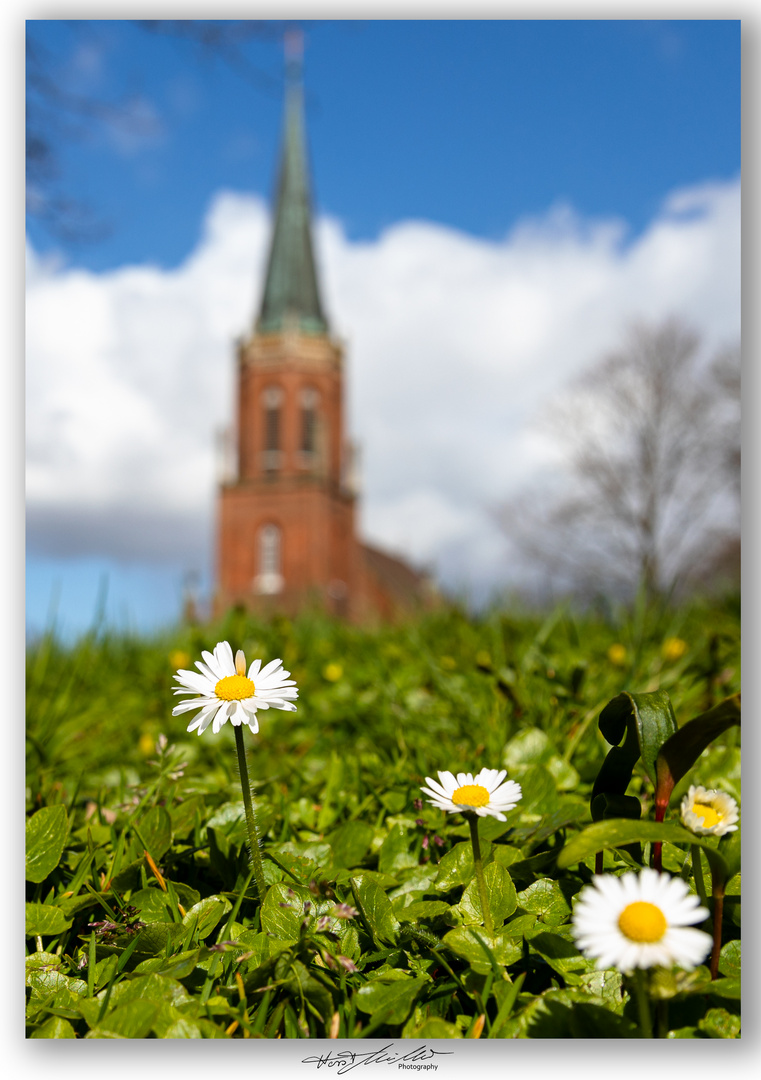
(222, 691)
(708, 812)
(464, 794)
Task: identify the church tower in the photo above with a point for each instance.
(286, 529)
(286, 521)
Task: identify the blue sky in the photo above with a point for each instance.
(471, 130)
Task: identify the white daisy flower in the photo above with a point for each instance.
(481, 794)
(640, 921)
(223, 691)
(709, 812)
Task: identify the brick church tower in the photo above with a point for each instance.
(286, 522)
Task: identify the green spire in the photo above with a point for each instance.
(291, 295)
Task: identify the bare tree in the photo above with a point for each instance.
(649, 491)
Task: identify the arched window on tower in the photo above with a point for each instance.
(309, 400)
(269, 579)
(272, 402)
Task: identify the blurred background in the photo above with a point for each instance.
(528, 235)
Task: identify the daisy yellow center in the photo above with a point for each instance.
(707, 814)
(643, 922)
(234, 688)
(471, 795)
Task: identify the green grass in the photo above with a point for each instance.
(115, 949)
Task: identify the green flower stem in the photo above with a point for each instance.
(477, 862)
(253, 836)
(718, 911)
(697, 873)
(643, 1003)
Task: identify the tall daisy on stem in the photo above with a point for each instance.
(484, 795)
(224, 691)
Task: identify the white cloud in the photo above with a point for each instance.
(454, 342)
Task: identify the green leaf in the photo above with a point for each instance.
(539, 793)
(682, 749)
(720, 1024)
(619, 832)
(545, 899)
(729, 959)
(283, 910)
(46, 833)
(394, 854)
(350, 843)
(45, 920)
(644, 722)
(468, 942)
(561, 955)
(393, 997)
(729, 849)
(205, 915)
(436, 1028)
(54, 1028)
(457, 868)
(131, 1021)
(500, 893)
(156, 832)
(376, 910)
(422, 909)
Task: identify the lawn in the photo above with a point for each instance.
(143, 915)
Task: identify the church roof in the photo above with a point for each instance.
(291, 294)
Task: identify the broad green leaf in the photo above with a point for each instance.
(682, 749)
(205, 915)
(500, 894)
(531, 746)
(152, 903)
(184, 815)
(561, 955)
(729, 960)
(468, 942)
(539, 793)
(392, 997)
(729, 849)
(436, 1028)
(150, 988)
(283, 910)
(131, 1021)
(54, 1028)
(376, 910)
(45, 920)
(394, 854)
(156, 832)
(545, 899)
(618, 832)
(720, 1024)
(46, 833)
(456, 867)
(422, 909)
(350, 843)
(726, 988)
(640, 723)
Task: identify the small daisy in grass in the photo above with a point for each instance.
(484, 794)
(225, 691)
(708, 812)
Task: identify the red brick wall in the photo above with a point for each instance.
(319, 550)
